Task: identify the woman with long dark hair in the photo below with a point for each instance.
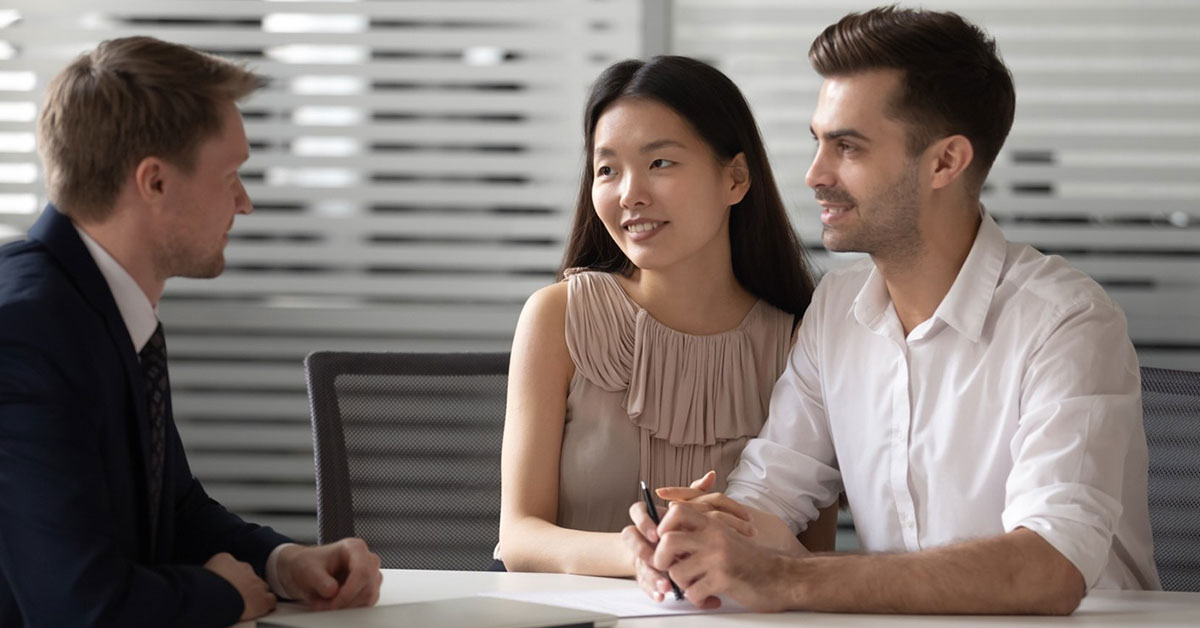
(654, 356)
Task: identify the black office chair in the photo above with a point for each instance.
(407, 449)
(1171, 406)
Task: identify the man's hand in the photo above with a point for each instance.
(768, 530)
(707, 558)
(337, 575)
(257, 599)
(642, 537)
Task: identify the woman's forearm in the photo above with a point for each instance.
(534, 544)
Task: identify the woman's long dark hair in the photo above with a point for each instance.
(768, 260)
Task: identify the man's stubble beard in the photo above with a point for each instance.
(179, 260)
(893, 234)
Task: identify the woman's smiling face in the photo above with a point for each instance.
(659, 189)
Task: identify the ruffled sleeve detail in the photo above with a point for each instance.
(600, 330)
(679, 388)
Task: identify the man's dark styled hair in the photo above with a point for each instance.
(768, 260)
(953, 82)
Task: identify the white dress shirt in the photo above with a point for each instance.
(1017, 404)
(141, 319)
(140, 316)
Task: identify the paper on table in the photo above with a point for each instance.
(620, 602)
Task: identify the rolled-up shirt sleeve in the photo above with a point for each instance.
(1080, 408)
(790, 470)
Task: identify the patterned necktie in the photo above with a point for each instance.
(158, 390)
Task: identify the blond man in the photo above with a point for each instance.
(101, 520)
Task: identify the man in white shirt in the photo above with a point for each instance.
(101, 520)
(978, 402)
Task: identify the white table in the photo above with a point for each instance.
(1140, 609)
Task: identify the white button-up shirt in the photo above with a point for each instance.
(140, 316)
(1017, 404)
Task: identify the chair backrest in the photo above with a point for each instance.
(1171, 406)
(407, 449)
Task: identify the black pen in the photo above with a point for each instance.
(654, 517)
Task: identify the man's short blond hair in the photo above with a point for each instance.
(129, 99)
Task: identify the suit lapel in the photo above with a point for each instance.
(58, 234)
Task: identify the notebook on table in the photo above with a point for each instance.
(466, 612)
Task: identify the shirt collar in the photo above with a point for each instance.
(872, 301)
(966, 305)
(141, 318)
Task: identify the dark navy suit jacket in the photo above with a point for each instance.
(75, 543)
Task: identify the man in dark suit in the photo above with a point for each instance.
(101, 520)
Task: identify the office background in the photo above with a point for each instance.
(414, 168)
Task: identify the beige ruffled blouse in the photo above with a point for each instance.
(651, 403)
